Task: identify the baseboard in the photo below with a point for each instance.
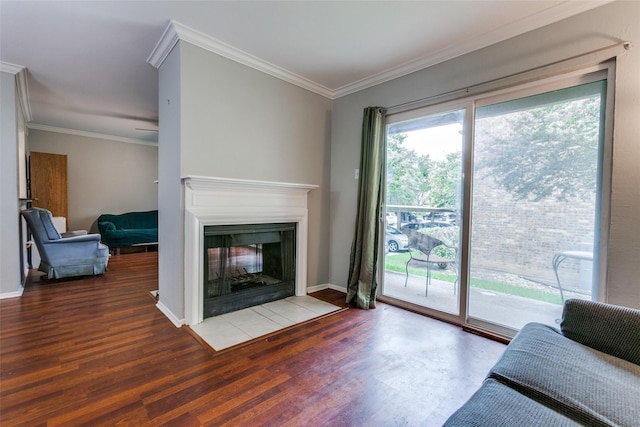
(317, 288)
(163, 308)
(14, 294)
(338, 288)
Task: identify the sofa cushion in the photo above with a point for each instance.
(611, 329)
(496, 405)
(106, 226)
(51, 230)
(587, 385)
(132, 220)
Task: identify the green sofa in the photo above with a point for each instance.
(128, 229)
(587, 373)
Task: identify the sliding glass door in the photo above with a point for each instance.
(535, 203)
(522, 233)
(424, 193)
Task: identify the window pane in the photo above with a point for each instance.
(424, 173)
(535, 204)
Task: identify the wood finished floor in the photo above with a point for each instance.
(96, 351)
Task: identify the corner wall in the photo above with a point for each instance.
(232, 121)
(10, 277)
(600, 27)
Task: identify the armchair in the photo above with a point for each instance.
(78, 255)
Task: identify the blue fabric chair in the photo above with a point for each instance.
(81, 255)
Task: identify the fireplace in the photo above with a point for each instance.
(212, 207)
(247, 265)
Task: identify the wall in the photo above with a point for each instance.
(237, 122)
(10, 282)
(104, 176)
(583, 33)
(170, 232)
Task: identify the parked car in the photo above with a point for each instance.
(395, 240)
(420, 225)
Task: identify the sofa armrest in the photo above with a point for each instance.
(76, 239)
(74, 233)
(607, 328)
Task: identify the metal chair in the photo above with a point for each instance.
(426, 244)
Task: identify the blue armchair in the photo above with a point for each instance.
(81, 255)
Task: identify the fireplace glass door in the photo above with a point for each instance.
(247, 265)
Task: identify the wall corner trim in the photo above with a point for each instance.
(164, 46)
(21, 85)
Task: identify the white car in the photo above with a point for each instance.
(396, 241)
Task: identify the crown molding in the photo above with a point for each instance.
(176, 31)
(75, 132)
(546, 17)
(164, 46)
(7, 67)
(23, 95)
(21, 86)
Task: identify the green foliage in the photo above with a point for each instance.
(445, 178)
(417, 180)
(450, 236)
(407, 173)
(548, 151)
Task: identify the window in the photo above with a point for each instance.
(514, 183)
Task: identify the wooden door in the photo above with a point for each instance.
(48, 174)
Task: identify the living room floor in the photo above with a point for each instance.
(97, 351)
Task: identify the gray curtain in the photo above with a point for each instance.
(363, 268)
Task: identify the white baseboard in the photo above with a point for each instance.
(338, 288)
(317, 288)
(172, 317)
(14, 294)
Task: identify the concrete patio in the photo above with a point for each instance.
(495, 307)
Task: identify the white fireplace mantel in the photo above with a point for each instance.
(224, 201)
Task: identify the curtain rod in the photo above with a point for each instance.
(627, 45)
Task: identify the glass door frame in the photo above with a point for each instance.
(469, 103)
(467, 106)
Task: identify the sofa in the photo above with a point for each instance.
(128, 229)
(586, 373)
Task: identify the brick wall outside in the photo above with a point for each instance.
(521, 237)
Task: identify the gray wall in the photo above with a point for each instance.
(9, 210)
(104, 176)
(597, 28)
(237, 122)
(170, 232)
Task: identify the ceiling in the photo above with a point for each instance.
(87, 69)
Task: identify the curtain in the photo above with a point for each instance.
(363, 267)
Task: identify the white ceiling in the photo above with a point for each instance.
(87, 61)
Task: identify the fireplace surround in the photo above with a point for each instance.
(212, 201)
(247, 265)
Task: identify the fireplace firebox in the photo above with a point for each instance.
(247, 265)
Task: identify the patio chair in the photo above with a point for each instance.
(426, 244)
(61, 256)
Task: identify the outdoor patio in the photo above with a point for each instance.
(496, 307)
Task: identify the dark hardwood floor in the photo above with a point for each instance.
(96, 351)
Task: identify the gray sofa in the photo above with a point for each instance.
(587, 373)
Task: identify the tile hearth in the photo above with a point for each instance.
(234, 328)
